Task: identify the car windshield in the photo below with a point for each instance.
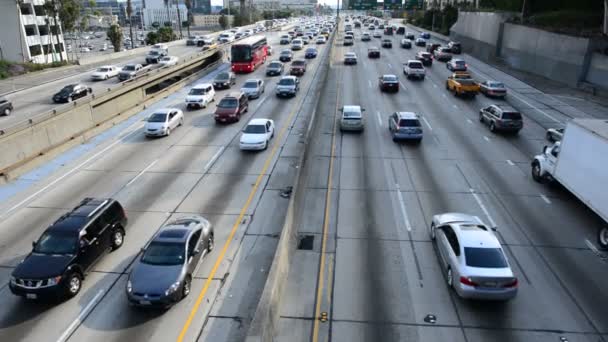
(103, 69)
(311, 50)
(425, 55)
(389, 78)
(67, 90)
(349, 55)
(459, 62)
(197, 91)
(228, 103)
(222, 76)
(409, 123)
(287, 81)
(352, 114)
(285, 53)
(496, 85)
(416, 66)
(158, 117)
(298, 63)
(485, 257)
(129, 68)
(153, 53)
(274, 65)
(251, 84)
(255, 129)
(511, 116)
(164, 253)
(241, 53)
(57, 243)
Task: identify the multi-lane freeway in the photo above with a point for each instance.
(198, 169)
(367, 205)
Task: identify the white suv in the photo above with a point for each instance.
(414, 69)
(200, 96)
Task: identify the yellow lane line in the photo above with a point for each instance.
(326, 220)
(236, 225)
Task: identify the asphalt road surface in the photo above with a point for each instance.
(197, 169)
(368, 203)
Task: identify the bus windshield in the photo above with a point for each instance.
(241, 53)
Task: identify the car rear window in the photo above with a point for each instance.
(485, 257)
(352, 114)
(511, 116)
(416, 65)
(390, 78)
(459, 62)
(409, 123)
(228, 103)
(298, 63)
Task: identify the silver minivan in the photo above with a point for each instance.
(352, 119)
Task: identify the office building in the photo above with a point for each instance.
(265, 5)
(155, 11)
(28, 34)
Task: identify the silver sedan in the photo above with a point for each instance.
(475, 265)
(253, 88)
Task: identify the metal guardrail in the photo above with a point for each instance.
(49, 114)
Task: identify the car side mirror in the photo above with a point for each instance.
(143, 250)
(196, 251)
(34, 243)
(545, 149)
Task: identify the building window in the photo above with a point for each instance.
(47, 48)
(40, 12)
(26, 9)
(30, 30)
(55, 30)
(59, 47)
(43, 30)
(35, 50)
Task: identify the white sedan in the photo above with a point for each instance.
(168, 61)
(163, 121)
(257, 134)
(105, 72)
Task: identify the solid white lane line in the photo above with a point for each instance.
(486, 138)
(402, 85)
(67, 173)
(261, 102)
(510, 162)
(593, 248)
(545, 198)
(379, 118)
(142, 172)
(66, 334)
(427, 123)
(483, 207)
(403, 211)
(213, 159)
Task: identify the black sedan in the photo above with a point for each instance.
(373, 52)
(420, 42)
(224, 80)
(162, 276)
(406, 43)
(286, 56)
(388, 83)
(274, 68)
(425, 57)
(72, 92)
(387, 43)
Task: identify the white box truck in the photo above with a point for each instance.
(580, 163)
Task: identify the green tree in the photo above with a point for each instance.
(152, 38)
(115, 35)
(179, 19)
(166, 34)
(190, 19)
(223, 21)
(130, 18)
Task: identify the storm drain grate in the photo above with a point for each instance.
(306, 242)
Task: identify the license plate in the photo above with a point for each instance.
(144, 302)
(31, 296)
(223, 120)
(491, 284)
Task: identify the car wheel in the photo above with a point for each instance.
(181, 122)
(492, 127)
(118, 238)
(7, 111)
(602, 238)
(536, 173)
(450, 277)
(168, 131)
(265, 145)
(433, 232)
(186, 287)
(73, 284)
(549, 136)
(480, 117)
(106, 77)
(210, 243)
(422, 78)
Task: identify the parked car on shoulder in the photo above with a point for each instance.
(66, 251)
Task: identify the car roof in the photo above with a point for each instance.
(76, 219)
(252, 80)
(351, 108)
(164, 110)
(201, 85)
(506, 108)
(258, 121)
(471, 234)
(407, 115)
(289, 77)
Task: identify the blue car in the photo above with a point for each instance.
(310, 53)
(425, 35)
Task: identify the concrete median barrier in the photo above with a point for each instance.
(40, 139)
(263, 327)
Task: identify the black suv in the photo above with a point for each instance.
(68, 249)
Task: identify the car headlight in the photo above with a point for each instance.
(129, 286)
(174, 287)
(53, 281)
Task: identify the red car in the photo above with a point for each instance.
(298, 67)
(231, 107)
(388, 83)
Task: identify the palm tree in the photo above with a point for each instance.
(179, 19)
(167, 7)
(188, 4)
(130, 16)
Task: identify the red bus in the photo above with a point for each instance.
(248, 54)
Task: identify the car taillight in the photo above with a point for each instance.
(468, 281)
(513, 283)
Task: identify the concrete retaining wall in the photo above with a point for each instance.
(598, 70)
(479, 32)
(264, 327)
(554, 56)
(70, 122)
